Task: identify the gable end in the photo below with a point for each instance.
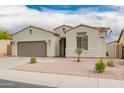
(32, 27)
(63, 26)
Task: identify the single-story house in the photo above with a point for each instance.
(62, 41)
(115, 49)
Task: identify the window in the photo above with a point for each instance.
(82, 41)
(30, 31)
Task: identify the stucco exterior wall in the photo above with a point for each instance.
(114, 49)
(121, 41)
(4, 47)
(96, 45)
(61, 35)
(37, 35)
(111, 49)
(60, 31)
(56, 44)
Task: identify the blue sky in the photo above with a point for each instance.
(14, 18)
(98, 8)
(101, 13)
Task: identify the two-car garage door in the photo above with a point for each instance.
(32, 48)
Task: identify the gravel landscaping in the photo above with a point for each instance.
(69, 66)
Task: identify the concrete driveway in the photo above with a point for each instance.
(10, 62)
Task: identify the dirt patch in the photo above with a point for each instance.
(68, 66)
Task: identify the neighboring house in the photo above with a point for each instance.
(112, 49)
(62, 41)
(5, 47)
(121, 43)
(116, 48)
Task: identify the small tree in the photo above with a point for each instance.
(79, 52)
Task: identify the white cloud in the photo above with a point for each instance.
(14, 18)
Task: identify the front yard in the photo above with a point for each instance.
(69, 66)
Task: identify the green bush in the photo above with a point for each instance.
(33, 60)
(4, 35)
(100, 66)
(110, 63)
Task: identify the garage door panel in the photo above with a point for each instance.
(35, 48)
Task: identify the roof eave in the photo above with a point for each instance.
(120, 35)
(96, 28)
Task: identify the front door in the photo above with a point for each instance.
(62, 46)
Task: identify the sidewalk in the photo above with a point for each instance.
(55, 80)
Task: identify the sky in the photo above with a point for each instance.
(14, 18)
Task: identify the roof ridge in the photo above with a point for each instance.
(33, 27)
(93, 27)
(62, 26)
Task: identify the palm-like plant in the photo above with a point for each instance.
(79, 52)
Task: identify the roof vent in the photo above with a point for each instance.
(63, 29)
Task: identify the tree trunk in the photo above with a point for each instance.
(78, 60)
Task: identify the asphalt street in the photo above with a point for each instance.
(14, 84)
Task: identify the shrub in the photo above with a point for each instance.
(5, 35)
(33, 60)
(100, 66)
(110, 63)
(79, 52)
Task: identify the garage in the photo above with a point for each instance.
(32, 48)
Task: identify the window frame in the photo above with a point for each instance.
(81, 40)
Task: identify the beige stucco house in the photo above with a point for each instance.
(116, 48)
(62, 41)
